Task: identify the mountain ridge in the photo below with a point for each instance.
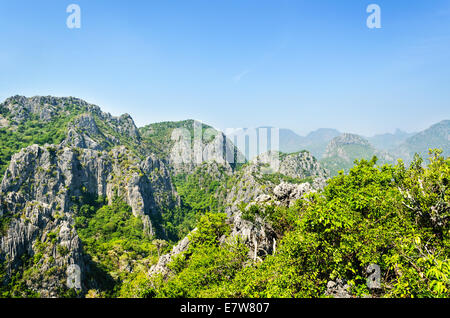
(76, 177)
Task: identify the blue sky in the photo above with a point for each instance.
(237, 63)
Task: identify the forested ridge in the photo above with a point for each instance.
(83, 188)
(392, 216)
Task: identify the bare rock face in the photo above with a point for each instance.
(299, 165)
(45, 108)
(162, 266)
(338, 289)
(255, 185)
(288, 193)
(4, 123)
(302, 165)
(126, 127)
(188, 152)
(50, 241)
(37, 193)
(256, 180)
(83, 130)
(245, 189)
(82, 133)
(258, 236)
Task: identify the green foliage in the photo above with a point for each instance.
(200, 193)
(295, 271)
(5, 220)
(61, 249)
(14, 285)
(117, 244)
(277, 178)
(280, 218)
(205, 269)
(136, 285)
(210, 229)
(392, 216)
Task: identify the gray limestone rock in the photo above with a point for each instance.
(338, 289)
(37, 192)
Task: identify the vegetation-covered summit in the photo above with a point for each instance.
(86, 190)
(392, 216)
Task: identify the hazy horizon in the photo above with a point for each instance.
(293, 129)
(300, 65)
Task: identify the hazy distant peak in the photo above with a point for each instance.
(346, 138)
(323, 134)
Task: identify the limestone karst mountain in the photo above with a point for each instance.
(186, 144)
(80, 185)
(387, 147)
(289, 141)
(74, 122)
(343, 150)
(86, 193)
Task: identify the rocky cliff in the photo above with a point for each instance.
(71, 153)
(43, 185)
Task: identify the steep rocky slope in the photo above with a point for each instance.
(271, 178)
(187, 144)
(262, 174)
(61, 156)
(42, 190)
(68, 121)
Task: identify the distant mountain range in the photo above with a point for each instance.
(390, 142)
(92, 205)
(315, 142)
(337, 150)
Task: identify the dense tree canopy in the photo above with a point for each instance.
(392, 216)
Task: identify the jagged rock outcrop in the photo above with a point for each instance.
(162, 266)
(287, 194)
(82, 133)
(54, 174)
(255, 185)
(40, 188)
(22, 108)
(190, 149)
(338, 289)
(245, 188)
(258, 235)
(264, 173)
(301, 166)
(187, 144)
(51, 243)
(82, 130)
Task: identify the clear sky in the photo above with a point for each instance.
(237, 63)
